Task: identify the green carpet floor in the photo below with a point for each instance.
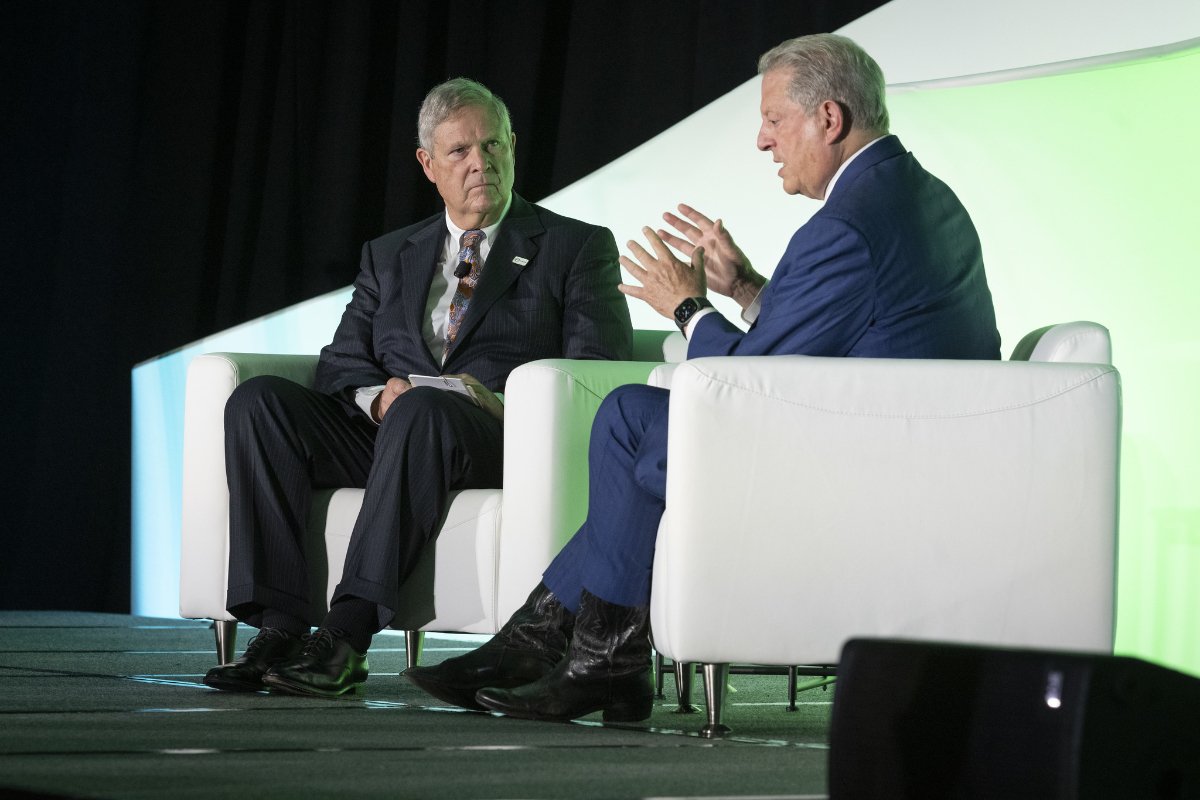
(99, 705)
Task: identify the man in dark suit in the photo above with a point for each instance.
(474, 292)
(889, 267)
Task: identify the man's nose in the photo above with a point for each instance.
(764, 142)
(479, 159)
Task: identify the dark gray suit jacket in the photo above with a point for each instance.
(562, 303)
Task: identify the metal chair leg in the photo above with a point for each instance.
(658, 674)
(683, 687)
(791, 706)
(716, 676)
(413, 642)
(226, 633)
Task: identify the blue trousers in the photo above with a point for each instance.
(612, 554)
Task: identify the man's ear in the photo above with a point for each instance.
(425, 159)
(835, 121)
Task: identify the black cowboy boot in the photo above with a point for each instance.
(528, 646)
(607, 669)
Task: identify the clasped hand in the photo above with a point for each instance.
(484, 397)
(383, 401)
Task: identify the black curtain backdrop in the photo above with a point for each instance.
(170, 169)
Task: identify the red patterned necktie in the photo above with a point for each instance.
(468, 276)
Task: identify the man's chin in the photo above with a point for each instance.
(793, 188)
(487, 205)
(487, 201)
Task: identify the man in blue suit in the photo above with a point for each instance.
(889, 267)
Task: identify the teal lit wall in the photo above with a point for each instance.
(1084, 189)
(157, 449)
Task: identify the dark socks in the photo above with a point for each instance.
(358, 619)
(284, 622)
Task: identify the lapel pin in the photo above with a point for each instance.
(519, 261)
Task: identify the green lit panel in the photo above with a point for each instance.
(1084, 187)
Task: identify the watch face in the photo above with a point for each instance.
(684, 311)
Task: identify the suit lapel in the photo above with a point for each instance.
(418, 262)
(514, 250)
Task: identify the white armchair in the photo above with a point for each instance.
(810, 500)
(493, 545)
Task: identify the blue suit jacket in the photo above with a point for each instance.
(890, 267)
(548, 290)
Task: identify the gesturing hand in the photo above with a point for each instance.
(383, 401)
(726, 267)
(665, 280)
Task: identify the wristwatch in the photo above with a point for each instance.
(688, 308)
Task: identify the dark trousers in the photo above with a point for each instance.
(283, 440)
(612, 554)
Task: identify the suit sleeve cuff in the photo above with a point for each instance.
(699, 315)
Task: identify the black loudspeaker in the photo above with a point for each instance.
(926, 721)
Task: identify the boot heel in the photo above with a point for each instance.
(629, 710)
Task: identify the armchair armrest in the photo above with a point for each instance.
(205, 527)
(549, 408)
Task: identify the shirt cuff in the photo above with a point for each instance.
(364, 398)
(750, 312)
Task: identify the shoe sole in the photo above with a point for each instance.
(621, 712)
(232, 686)
(275, 684)
(612, 714)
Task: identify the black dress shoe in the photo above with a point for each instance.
(328, 666)
(269, 647)
(528, 646)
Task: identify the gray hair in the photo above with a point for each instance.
(826, 66)
(446, 99)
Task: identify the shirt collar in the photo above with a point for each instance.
(833, 181)
(457, 232)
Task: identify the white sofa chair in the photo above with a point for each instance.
(493, 545)
(810, 500)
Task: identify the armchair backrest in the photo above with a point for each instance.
(1080, 342)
